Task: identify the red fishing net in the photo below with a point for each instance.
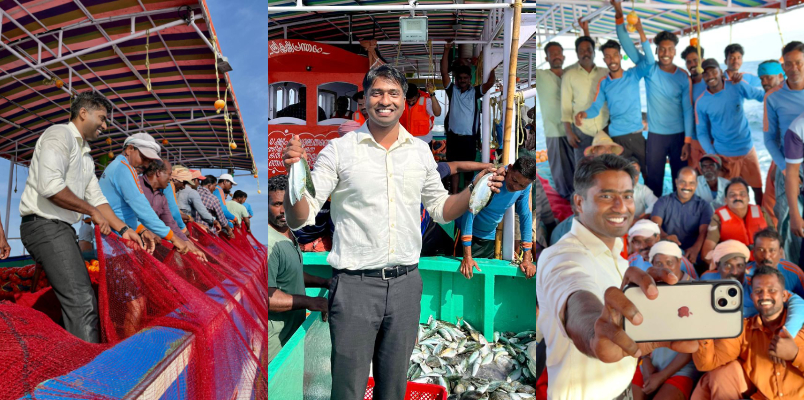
(219, 305)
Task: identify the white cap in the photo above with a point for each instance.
(227, 177)
(644, 227)
(145, 144)
(667, 248)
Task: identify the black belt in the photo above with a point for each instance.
(34, 217)
(385, 273)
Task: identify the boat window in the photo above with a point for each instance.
(336, 100)
(286, 103)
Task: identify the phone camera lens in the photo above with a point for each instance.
(732, 292)
(722, 302)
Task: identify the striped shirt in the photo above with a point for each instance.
(212, 204)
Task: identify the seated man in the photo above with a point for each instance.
(644, 199)
(768, 253)
(745, 366)
(666, 374)
(711, 186)
(736, 220)
(603, 144)
(121, 187)
(478, 231)
(641, 239)
(682, 216)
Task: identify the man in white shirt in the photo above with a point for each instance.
(644, 199)
(62, 186)
(711, 186)
(377, 177)
(578, 280)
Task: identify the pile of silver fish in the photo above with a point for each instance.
(460, 358)
(300, 181)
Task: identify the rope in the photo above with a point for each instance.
(430, 66)
(147, 59)
(398, 50)
(520, 128)
(779, 26)
(217, 76)
(698, 16)
(730, 27)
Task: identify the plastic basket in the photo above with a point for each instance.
(416, 391)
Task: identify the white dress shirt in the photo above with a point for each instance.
(61, 160)
(580, 261)
(376, 196)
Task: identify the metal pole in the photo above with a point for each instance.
(485, 126)
(8, 197)
(419, 7)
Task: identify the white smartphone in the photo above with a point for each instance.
(687, 311)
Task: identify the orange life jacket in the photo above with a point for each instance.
(624, 253)
(734, 227)
(416, 119)
(357, 116)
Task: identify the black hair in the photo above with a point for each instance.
(412, 92)
(633, 160)
(462, 69)
(551, 44)
(209, 180)
(768, 233)
(737, 180)
(590, 167)
(582, 39)
(342, 103)
(611, 44)
(385, 71)
(692, 49)
(665, 35)
(644, 116)
(278, 183)
(154, 167)
(526, 166)
(793, 46)
(357, 96)
(91, 100)
(770, 271)
(733, 48)
(239, 193)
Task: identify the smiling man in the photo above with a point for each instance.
(734, 61)
(711, 186)
(768, 253)
(692, 60)
(641, 239)
(737, 220)
(723, 127)
(377, 178)
(682, 216)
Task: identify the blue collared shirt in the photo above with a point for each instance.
(720, 118)
(782, 106)
(682, 219)
(697, 91)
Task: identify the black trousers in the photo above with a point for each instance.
(634, 145)
(54, 245)
(659, 148)
(372, 322)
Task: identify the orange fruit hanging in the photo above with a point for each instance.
(111, 155)
(219, 104)
(694, 42)
(59, 83)
(233, 145)
(108, 140)
(164, 142)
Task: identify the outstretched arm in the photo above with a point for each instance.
(445, 65)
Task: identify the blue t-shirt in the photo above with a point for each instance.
(248, 208)
(484, 224)
(720, 118)
(682, 219)
(697, 91)
(782, 106)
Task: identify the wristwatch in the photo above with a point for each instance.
(122, 230)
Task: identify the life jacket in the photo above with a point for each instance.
(624, 253)
(357, 116)
(734, 227)
(416, 119)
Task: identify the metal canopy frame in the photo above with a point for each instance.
(102, 48)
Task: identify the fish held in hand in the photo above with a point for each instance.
(481, 194)
(300, 181)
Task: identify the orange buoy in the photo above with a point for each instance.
(111, 155)
(632, 18)
(255, 175)
(108, 140)
(694, 42)
(259, 191)
(59, 83)
(219, 104)
(164, 142)
(233, 145)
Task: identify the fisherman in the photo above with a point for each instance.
(121, 187)
(737, 220)
(765, 348)
(578, 281)
(342, 108)
(478, 231)
(723, 128)
(644, 199)
(616, 90)
(190, 202)
(421, 108)
(711, 186)
(86, 239)
(236, 208)
(578, 86)
(360, 115)
(602, 144)
(563, 227)
(173, 203)
(782, 106)
(221, 191)
(693, 61)
(462, 122)
(682, 216)
(61, 187)
(669, 110)
(213, 203)
(376, 286)
(734, 61)
(287, 280)
(560, 154)
(641, 239)
(666, 374)
(768, 253)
